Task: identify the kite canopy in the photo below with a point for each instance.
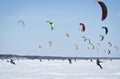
(116, 47)
(106, 29)
(76, 46)
(93, 46)
(102, 37)
(20, 21)
(83, 27)
(109, 51)
(51, 25)
(110, 44)
(88, 40)
(104, 10)
(67, 34)
(50, 43)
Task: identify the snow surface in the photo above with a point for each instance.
(59, 69)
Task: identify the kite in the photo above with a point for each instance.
(76, 46)
(109, 51)
(40, 46)
(20, 21)
(104, 51)
(102, 37)
(116, 48)
(67, 34)
(51, 25)
(104, 10)
(83, 27)
(110, 44)
(106, 29)
(93, 46)
(84, 38)
(50, 43)
(98, 44)
(87, 40)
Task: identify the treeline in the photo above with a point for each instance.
(12, 56)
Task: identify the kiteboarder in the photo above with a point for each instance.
(98, 63)
(70, 61)
(12, 61)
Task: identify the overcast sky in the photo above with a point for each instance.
(66, 16)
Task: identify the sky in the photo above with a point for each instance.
(66, 16)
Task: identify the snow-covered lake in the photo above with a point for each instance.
(58, 69)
